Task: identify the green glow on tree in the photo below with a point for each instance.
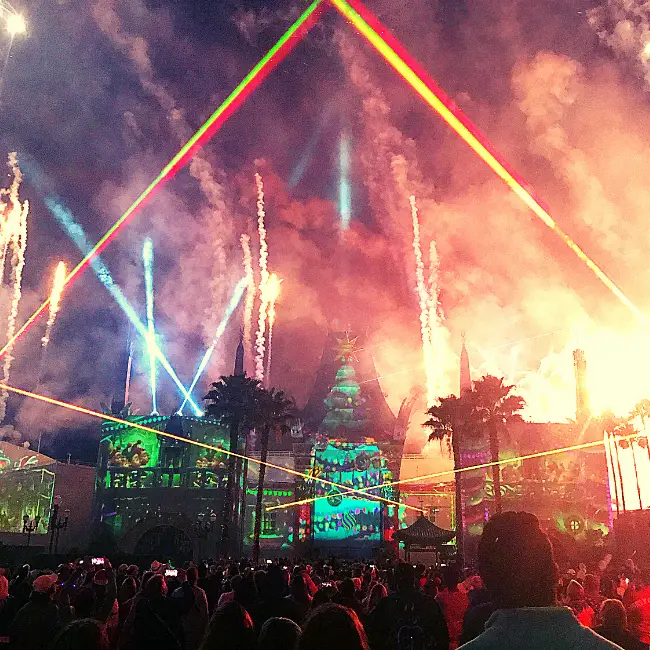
(345, 404)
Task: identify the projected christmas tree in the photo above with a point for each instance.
(346, 409)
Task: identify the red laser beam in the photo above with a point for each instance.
(421, 82)
(246, 87)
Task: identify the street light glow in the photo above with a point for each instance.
(16, 24)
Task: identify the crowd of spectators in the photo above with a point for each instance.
(517, 599)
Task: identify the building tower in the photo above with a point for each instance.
(239, 357)
(582, 395)
(465, 374)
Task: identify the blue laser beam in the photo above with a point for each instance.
(147, 260)
(345, 192)
(66, 219)
(235, 299)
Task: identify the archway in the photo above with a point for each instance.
(165, 542)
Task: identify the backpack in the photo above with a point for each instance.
(408, 630)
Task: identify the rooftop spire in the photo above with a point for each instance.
(465, 374)
(239, 357)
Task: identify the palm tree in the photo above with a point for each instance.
(234, 400)
(451, 420)
(642, 410)
(276, 409)
(497, 408)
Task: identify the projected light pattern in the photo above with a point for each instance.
(345, 192)
(76, 233)
(112, 418)
(338, 518)
(147, 259)
(250, 82)
(235, 299)
(402, 62)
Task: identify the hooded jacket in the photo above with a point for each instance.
(537, 628)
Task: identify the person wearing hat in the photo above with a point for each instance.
(38, 621)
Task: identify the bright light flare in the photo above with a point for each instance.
(16, 25)
(251, 81)
(147, 260)
(55, 301)
(418, 78)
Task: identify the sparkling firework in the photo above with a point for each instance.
(249, 304)
(252, 80)
(147, 259)
(15, 237)
(264, 281)
(235, 299)
(273, 288)
(76, 233)
(414, 74)
(55, 302)
(425, 305)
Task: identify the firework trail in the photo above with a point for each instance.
(264, 281)
(273, 294)
(437, 330)
(424, 300)
(249, 303)
(55, 302)
(17, 239)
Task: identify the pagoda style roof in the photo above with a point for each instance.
(381, 420)
(424, 533)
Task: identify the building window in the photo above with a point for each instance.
(269, 523)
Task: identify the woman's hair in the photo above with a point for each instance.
(278, 634)
(333, 626)
(230, 627)
(374, 596)
(515, 560)
(612, 614)
(128, 589)
(84, 634)
(156, 587)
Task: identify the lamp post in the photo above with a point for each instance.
(29, 526)
(56, 524)
(203, 526)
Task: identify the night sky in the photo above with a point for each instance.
(92, 98)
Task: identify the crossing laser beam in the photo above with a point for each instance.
(147, 260)
(76, 233)
(135, 425)
(425, 477)
(235, 299)
(251, 81)
(419, 79)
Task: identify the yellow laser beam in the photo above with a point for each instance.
(424, 477)
(111, 418)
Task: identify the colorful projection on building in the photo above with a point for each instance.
(26, 488)
(343, 518)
